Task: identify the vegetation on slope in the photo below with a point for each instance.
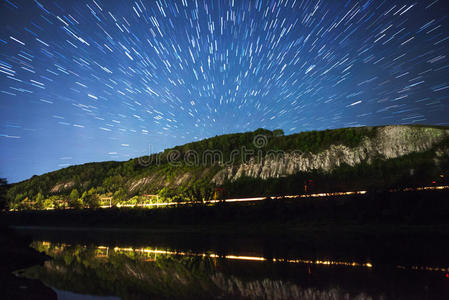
(412, 170)
(185, 172)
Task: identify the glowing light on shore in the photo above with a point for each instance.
(254, 199)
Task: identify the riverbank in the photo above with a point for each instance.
(409, 231)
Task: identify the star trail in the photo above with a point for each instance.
(85, 81)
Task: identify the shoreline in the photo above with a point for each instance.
(381, 214)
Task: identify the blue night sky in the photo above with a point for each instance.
(84, 81)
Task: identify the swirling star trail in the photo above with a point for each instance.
(99, 80)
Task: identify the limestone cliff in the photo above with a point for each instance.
(388, 142)
(326, 151)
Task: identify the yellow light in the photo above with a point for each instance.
(250, 258)
(245, 257)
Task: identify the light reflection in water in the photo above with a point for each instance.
(143, 271)
(104, 252)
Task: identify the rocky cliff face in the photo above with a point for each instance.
(389, 142)
(62, 187)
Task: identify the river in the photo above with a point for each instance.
(126, 264)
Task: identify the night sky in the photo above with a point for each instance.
(84, 81)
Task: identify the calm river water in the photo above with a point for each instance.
(121, 264)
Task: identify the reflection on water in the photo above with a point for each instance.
(240, 257)
(66, 295)
(150, 272)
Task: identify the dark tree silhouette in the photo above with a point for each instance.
(3, 187)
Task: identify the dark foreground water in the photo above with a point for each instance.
(88, 264)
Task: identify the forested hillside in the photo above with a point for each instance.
(239, 164)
